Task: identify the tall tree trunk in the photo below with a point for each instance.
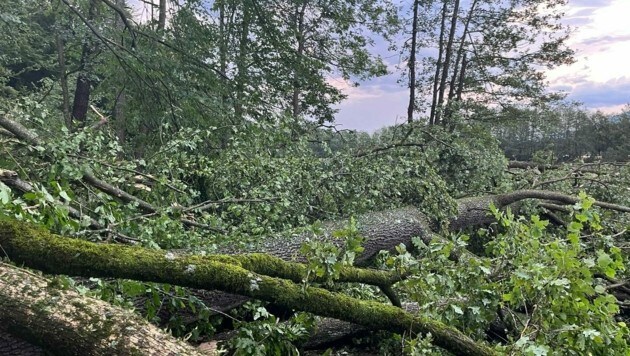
(300, 36)
(120, 120)
(460, 59)
(447, 63)
(438, 66)
(460, 83)
(83, 87)
(241, 64)
(222, 38)
(63, 81)
(412, 64)
(162, 16)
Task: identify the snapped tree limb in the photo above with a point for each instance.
(25, 135)
(11, 179)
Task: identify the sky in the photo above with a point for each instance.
(599, 78)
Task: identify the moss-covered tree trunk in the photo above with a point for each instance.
(39, 249)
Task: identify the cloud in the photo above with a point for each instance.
(607, 39)
(371, 106)
(577, 21)
(579, 17)
(590, 3)
(612, 93)
(601, 42)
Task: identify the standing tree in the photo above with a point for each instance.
(489, 54)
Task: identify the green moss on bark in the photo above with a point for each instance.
(40, 249)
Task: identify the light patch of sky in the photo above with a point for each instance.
(601, 38)
(142, 11)
(370, 107)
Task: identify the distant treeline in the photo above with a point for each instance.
(566, 134)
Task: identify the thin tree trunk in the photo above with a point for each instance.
(120, 120)
(83, 86)
(300, 36)
(63, 80)
(447, 63)
(412, 64)
(438, 66)
(81, 96)
(241, 61)
(460, 83)
(222, 39)
(162, 16)
(460, 60)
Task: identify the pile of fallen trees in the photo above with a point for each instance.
(38, 309)
(260, 276)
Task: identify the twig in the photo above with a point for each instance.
(101, 122)
(147, 176)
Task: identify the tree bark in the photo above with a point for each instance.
(438, 67)
(39, 249)
(67, 323)
(241, 65)
(459, 68)
(524, 165)
(447, 63)
(162, 16)
(301, 38)
(120, 120)
(12, 345)
(63, 80)
(412, 64)
(83, 86)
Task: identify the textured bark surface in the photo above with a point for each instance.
(381, 230)
(333, 331)
(526, 164)
(10, 345)
(39, 249)
(67, 323)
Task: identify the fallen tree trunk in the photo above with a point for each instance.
(528, 164)
(67, 323)
(50, 253)
(474, 211)
(384, 230)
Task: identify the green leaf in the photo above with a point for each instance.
(64, 195)
(5, 194)
(457, 309)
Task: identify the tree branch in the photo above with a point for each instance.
(24, 134)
